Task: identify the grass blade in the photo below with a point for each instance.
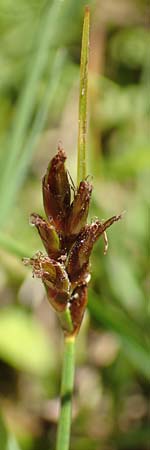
(46, 35)
(21, 167)
(82, 131)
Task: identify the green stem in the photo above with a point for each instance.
(63, 434)
(64, 426)
(82, 131)
(66, 320)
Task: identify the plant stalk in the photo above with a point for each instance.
(82, 122)
(63, 435)
(64, 426)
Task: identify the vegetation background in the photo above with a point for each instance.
(39, 86)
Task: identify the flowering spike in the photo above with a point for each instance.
(80, 252)
(68, 242)
(56, 191)
(77, 306)
(54, 277)
(48, 235)
(79, 209)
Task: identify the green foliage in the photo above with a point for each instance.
(48, 35)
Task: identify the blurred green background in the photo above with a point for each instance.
(39, 84)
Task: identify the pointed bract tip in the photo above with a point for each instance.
(120, 216)
(61, 152)
(60, 145)
(123, 213)
(87, 10)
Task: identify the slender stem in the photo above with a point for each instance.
(82, 131)
(63, 435)
(66, 320)
(64, 426)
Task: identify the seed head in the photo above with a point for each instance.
(68, 241)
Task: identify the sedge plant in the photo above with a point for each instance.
(68, 241)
